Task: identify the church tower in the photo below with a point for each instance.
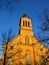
(26, 25)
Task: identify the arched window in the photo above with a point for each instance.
(28, 24)
(28, 61)
(27, 40)
(23, 23)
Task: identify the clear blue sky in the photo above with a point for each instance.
(32, 9)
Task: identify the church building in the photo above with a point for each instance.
(25, 48)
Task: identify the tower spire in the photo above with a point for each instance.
(24, 15)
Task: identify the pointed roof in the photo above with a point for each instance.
(25, 15)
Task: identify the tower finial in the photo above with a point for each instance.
(24, 15)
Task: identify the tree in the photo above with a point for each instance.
(43, 32)
(9, 5)
(44, 59)
(6, 37)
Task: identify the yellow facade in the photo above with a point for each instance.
(25, 48)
